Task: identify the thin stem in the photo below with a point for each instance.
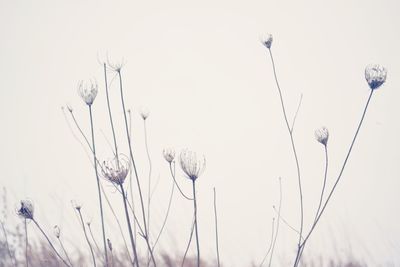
(26, 244)
(98, 186)
(166, 216)
(216, 226)
(91, 235)
(130, 180)
(297, 112)
(286, 222)
(189, 242)
(128, 221)
(301, 248)
(323, 187)
(293, 148)
(176, 183)
(8, 247)
(65, 252)
(195, 222)
(270, 244)
(110, 115)
(149, 186)
(277, 223)
(86, 237)
(48, 240)
(134, 166)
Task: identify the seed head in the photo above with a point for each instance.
(116, 170)
(88, 91)
(169, 154)
(76, 204)
(26, 210)
(267, 41)
(322, 135)
(191, 165)
(57, 231)
(375, 75)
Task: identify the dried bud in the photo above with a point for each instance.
(57, 231)
(76, 204)
(26, 210)
(88, 92)
(375, 75)
(169, 154)
(109, 244)
(144, 113)
(322, 135)
(267, 41)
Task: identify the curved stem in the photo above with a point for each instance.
(94, 240)
(216, 225)
(293, 148)
(51, 244)
(128, 221)
(176, 183)
(87, 238)
(26, 244)
(270, 244)
(301, 248)
(189, 242)
(195, 222)
(98, 186)
(65, 252)
(149, 186)
(323, 187)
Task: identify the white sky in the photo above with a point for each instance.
(200, 69)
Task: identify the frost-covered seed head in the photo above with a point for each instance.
(26, 210)
(322, 135)
(116, 170)
(88, 91)
(169, 154)
(144, 113)
(267, 41)
(57, 231)
(192, 166)
(375, 75)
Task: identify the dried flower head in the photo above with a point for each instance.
(116, 170)
(88, 91)
(191, 165)
(115, 65)
(375, 75)
(26, 210)
(144, 113)
(322, 135)
(267, 41)
(57, 231)
(169, 154)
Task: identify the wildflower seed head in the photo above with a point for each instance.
(169, 154)
(88, 91)
(116, 170)
(375, 75)
(69, 108)
(57, 231)
(144, 113)
(26, 210)
(267, 41)
(191, 165)
(322, 135)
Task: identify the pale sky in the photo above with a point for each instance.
(200, 69)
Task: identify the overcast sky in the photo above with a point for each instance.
(200, 69)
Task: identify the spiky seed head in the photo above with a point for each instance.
(322, 135)
(169, 154)
(26, 209)
(375, 75)
(191, 165)
(57, 231)
(267, 41)
(88, 91)
(116, 169)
